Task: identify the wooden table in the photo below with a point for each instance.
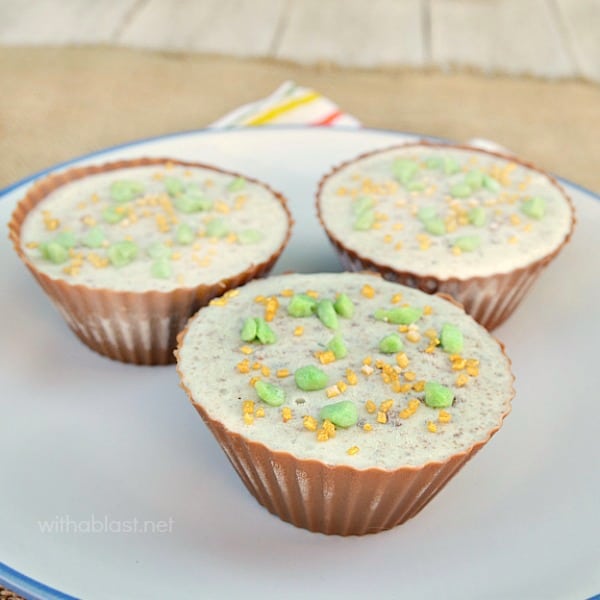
(548, 38)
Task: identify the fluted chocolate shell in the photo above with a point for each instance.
(335, 500)
(132, 327)
(491, 299)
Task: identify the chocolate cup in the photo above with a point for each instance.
(132, 327)
(489, 299)
(335, 500)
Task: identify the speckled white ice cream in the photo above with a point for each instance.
(210, 354)
(509, 239)
(205, 261)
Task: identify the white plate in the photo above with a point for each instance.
(86, 438)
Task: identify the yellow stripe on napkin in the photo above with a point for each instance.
(274, 112)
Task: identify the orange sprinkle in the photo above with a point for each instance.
(309, 423)
(351, 376)
(402, 360)
(368, 291)
(413, 336)
(329, 427)
(386, 405)
(322, 435)
(326, 357)
(413, 404)
(332, 391)
(444, 417)
(418, 386)
(462, 380)
(244, 366)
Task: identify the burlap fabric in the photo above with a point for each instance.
(61, 102)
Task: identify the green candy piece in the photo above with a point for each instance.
(94, 238)
(467, 243)
(338, 347)
(364, 221)
(402, 315)
(184, 234)
(477, 216)
(269, 393)
(112, 216)
(534, 207)
(474, 179)
(125, 190)
(404, 170)
(217, 228)
(54, 252)
(174, 186)
(264, 334)
(327, 315)
(491, 184)
(341, 414)
(161, 268)
(249, 236)
(391, 344)
(438, 395)
(415, 186)
(434, 162)
(158, 250)
(344, 306)
(302, 305)
(361, 204)
(122, 253)
(435, 226)
(451, 338)
(310, 378)
(66, 239)
(239, 183)
(427, 213)
(249, 328)
(461, 190)
(451, 165)
(191, 204)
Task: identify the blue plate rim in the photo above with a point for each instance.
(36, 590)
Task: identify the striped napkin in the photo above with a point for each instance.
(289, 104)
(293, 104)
